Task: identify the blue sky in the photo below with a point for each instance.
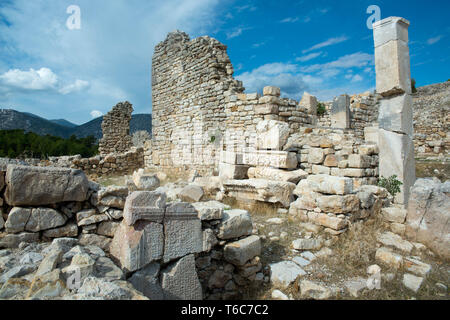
(323, 47)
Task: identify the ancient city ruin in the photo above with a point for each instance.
(201, 237)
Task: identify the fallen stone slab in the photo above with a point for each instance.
(412, 282)
(307, 244)
(191, 193)
(284, 273)
(261, 190)
(210, 210)
(327, 221)
(388, 257)
(145, 181)
(144, 205)
(179, 281)
(138, 245)
(416, 266)
(393, 240)
(239, 252)
(235, 223)
(293, 176)
(37, 186)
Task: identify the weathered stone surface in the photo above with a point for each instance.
(416, 266)
(338, 204)
(239, 252)
(146, 281)
(272, 134)
(276, 174)
(266, 158)
(191, 193)
(284, 273)
(50, 261)
(94, 219)
(69, 230)
(17, 219)
(182, 231)
(13, 240)
(2, 180)
(392, 28)
(393, 240)
(271, 91)
(138, 245)
(96, 240)
(307, 244)
(43, 219)
(261, 190)
(359, 161)
(309, 102)
(231, 157)
(117, 290)
(47, 285)
(113, 196)
(330, 184)
(143, 181)
(235, 223)
(397, 158)
(232, 171)
(316, 155)
(412, 282)
(144, 205)
(16, 272)
(107, 228)
(179, 280)
(388, 257)
(106, 269)
(428, 216)
(211, 210)
(209, 240)
(396, 114)
(327, 221)
(340, 112)
(394, 214)
(37, 186)
(210, 185)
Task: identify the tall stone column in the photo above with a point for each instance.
(393, 77)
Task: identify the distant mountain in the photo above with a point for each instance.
(12, 119)
(64, 123)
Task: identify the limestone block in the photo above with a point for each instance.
(284, 273)
(260, 190)
(211, 210)
(235, 223)
(327, 221)
(272, 134)
(179, 281)
(191, 193)
(275, 159)
(271, 91)
(394, 214)
(146, 281)
(338, 204)
(182, 231)
(37, 186)
(317, 169)
(144, 205)
(309, 102)
(266, 108)
(388, 257)
(232, 171)
(359, 161)
(340, 112)
(43, 219)
(231, 157)
(138, 245)
(113, 196)
(13, 240)
(392, 28)
(239, 252)
(371, 134)
(392, 68)
(412, 282)
(69, 230)
(276, 174)
(145, 181)
(393, 240)
(330, 184)
(17, 219)
(396, 114)
(316, 155)
(397, 157)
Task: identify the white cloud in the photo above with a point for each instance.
(326, 43)
(95, 114)
(434, 39)
(290, 20)
(309, 56)
(42, 79)
(77, 86)
(358, 59)
(357, 78)
(236, 32)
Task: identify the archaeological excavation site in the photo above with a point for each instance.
(239, 195)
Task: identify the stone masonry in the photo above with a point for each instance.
(116, 130)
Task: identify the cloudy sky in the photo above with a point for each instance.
(321, 46)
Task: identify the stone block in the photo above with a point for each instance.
(232, 171)
(179, 281)
(239, 252)
(392, 68)
(266, 108)
(43, 219)
(275, 159)
(317, 169)
(396, 114)
(309, 102)
(330, 184)
(38, 186)
(371, 134)
(235, 223)
(17, 219)
(340, 112)
(182, 231)
(138, 245)
(191, 193)
(386, 256)
(327, 221)
(210, 210)
(146, 281)
(394, 214)
(389, 29)
(338, 204)
(271, 134)
(359, 161)
(231, 157)
(397, 158)
(144, 205)
(271, 91)
(316, 155)
(276, 174)
(284, 273)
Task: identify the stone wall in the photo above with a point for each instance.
(432, 120)
(116, 130)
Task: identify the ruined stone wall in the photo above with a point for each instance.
(431, 119)
(363, 112)
(191, 82)
(116, 129)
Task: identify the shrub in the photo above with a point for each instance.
(321, 109)
(391, 184)
(413, 86)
